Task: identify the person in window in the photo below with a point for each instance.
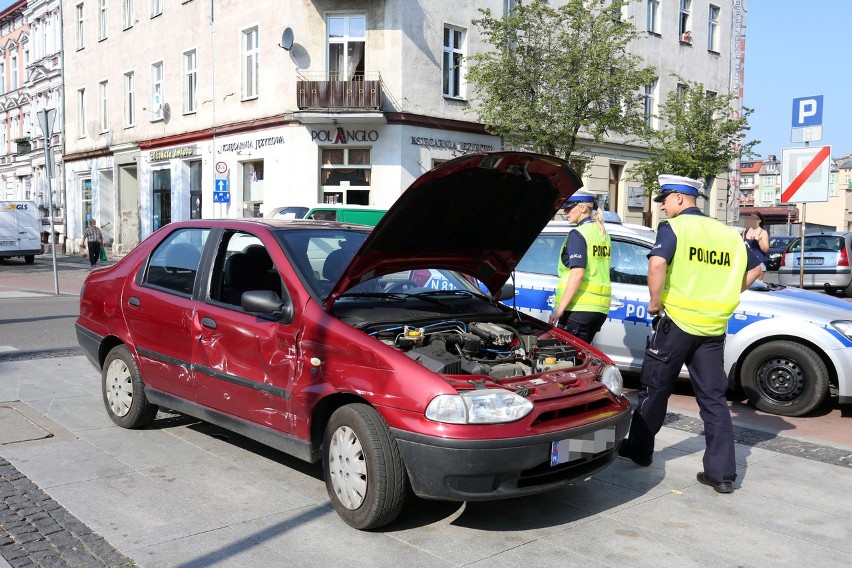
(94, 240)
(757, 238)
(686, 37)
(583, 292)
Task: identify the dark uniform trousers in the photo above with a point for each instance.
(583, 325)
(669, 347)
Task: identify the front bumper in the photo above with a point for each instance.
(478, 470)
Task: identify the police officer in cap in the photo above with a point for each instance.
(696, 272)
(583, 291)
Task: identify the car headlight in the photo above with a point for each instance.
(486, 406)
(844, 327)
(611, 378)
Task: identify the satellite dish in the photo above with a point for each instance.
(286, 39)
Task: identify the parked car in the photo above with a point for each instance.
(777, 246)
(328, 341)
(288, 212)
(788, 348)
(826, 263)
(358, 214)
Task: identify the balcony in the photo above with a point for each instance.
(321, 93)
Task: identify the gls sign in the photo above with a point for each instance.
(807, 111)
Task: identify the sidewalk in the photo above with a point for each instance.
(185, 494)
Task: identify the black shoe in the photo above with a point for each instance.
(720, 486)
(624, 451)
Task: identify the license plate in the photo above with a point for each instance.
(570, 449)
(810, 261)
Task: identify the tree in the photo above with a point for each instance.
(701, 138)
(556, 76)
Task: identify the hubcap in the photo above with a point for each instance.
(119, 388)
(347, 467)
(781, 379)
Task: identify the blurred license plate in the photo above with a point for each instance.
(563, 451)
(810, 261)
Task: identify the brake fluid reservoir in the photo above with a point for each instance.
(411, 337)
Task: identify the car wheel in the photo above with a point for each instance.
(364, 473)
(29, 259)
(124, 391)
(784, 378)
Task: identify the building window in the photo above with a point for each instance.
(650, 108)
(161, 193)
(81, 113)
(102, 20)
(129, 99)
(345, 175)
(127, 13)
(654, 16)
(190, 82)
(86, 201)
(713, 29)
(681, 92)
(157, 91)
(156, 7)
(346, 44)
(13, 71)
(252, 188)
(747, 180)
(195, 189)
(685, 22)
(103, 106)
(453, 61)
(250, 63)
(79, 26)
(2, 77)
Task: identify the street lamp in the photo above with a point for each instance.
(46, 118)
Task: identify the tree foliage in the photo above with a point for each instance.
(700, 137)
(558, 75)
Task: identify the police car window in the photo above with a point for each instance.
(628, 263)
(174, 263)
(543, 256)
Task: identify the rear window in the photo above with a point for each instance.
(822, 243)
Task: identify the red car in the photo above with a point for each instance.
(375, 351)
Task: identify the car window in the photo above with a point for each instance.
(629, 263)
(543, 255)
(821, 243)
(242, 264)
(174, 263)
(321, 255)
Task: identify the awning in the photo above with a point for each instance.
(773, 215)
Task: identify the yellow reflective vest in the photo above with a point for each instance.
(594, 292)
(704, 278)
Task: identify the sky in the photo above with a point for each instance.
(794, 49)
(797, 49)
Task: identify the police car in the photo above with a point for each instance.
(788, 348)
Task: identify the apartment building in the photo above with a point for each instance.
(30, 81)
(214, 108)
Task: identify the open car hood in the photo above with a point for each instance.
(477, 214)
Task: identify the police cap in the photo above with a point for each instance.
(678, 184)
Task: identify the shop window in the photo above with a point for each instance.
(195, 189)
(86, 201)
(344, 175)
(161, 189)
(252, 188)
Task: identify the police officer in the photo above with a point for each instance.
(696, 272)
(583, 292)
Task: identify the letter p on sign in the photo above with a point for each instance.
(807, 111)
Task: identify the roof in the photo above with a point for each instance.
(752, 169)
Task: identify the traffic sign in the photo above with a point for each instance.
(221, 193)
(805, 174)
(221, 167)
(807, 111)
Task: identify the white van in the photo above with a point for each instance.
(20, 230)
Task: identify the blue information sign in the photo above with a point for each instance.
(221, 193)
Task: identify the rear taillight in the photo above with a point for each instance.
(844, 258)
(783, 256)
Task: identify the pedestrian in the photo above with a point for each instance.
(757, 238)
(94, 240)
(696, 272)
(583, 292)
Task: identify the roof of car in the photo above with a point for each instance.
(624, 229)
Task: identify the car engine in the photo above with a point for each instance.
(497, 350)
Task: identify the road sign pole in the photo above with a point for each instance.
(802, 240)
(46, 118)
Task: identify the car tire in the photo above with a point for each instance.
(124, 391)
(784, 378)
(364, 472)
(29, 259)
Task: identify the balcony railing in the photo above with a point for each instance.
(362, 92)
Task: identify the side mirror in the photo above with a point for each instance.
(506, 292)
(268, 303)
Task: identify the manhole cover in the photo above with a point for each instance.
(15, 427)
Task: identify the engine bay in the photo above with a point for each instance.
(497, 350)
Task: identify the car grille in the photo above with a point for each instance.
(570, 412)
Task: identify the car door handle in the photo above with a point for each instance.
(133, 301)
(209, 323)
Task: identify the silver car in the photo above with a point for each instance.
(788, 348)
(826, 263)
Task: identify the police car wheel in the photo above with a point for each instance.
(784, 378)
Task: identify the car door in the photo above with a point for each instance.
(244, 364)
(160, 309)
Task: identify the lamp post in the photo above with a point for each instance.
(46, 118)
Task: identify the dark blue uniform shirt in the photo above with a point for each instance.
(574, 253)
